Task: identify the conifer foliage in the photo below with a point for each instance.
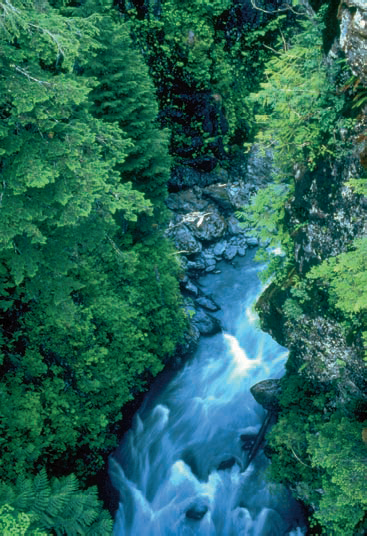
(89, 304)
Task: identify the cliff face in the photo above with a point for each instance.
(318, 446)
(353, 35)
(325, 216)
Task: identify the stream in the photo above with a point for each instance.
(181, 468)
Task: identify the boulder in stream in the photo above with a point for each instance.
(197, 511)
(267, 393)
(206, 324)
(207, 303)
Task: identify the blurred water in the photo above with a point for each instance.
(183, 455)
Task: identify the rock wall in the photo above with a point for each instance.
(326, 216)
(353, 35)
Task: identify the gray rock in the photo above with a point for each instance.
(190, 288)
(210, 227)
(219, 194)
(353, 36)
(207, 304)
(206, 324)
(259, 167)
(234, 226)
(239, 194)
(267, 393)
(183, 177)
(210, 261)
(230, 252)
(186, 201)
(185, 240)
(198, 265)
(187, 347)
(241, 251)
(219, 248)
(210, 268)
(252, 241)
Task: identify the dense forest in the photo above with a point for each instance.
(99, 103)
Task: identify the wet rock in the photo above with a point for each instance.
(206, 324)
(197, 511)
(190, 288)
(210, 261)
(267, 393)
(209, 227)
(241, 251)
(248, 441)
(230, 252)
(226, 464)
(185, 240)
(252, 241)
(198, 265)
(207, 304)
(187, 347)
(219, 248)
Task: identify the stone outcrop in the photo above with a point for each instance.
(353, 35)
(267, 393)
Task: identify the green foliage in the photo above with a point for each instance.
(90, 305)
(359, 185)
(204, 61)
(14, 523)
(347, 276)
(346, 279)
(339, 450)
(265, 217)
(301, 110)
(321, 454)
(125, 95)
(35, 506)
(301, 116)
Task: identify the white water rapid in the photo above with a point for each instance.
(180, 469)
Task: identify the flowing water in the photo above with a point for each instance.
(181, 469)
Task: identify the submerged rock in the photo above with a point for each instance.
(230, 252)
(197, 511)
(207, 304)
(227, 464)
(247, 441)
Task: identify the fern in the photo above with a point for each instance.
(297, 101)
(58, 506)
